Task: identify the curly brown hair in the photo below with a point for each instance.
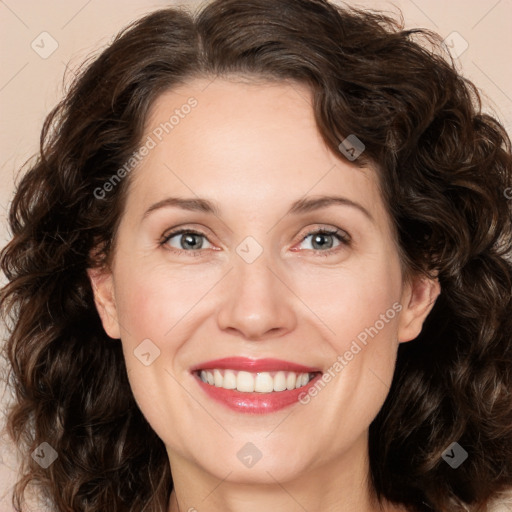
(443, 167)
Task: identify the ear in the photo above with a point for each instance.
(418, 298)
(103, 288)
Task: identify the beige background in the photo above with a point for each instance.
(31, 85)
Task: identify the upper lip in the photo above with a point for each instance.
(254, 365)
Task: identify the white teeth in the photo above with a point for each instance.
(245, 382)
(280, 381)
(264, 383)
(229, 380)
(261, 382)
(291, 381)
(218, 379)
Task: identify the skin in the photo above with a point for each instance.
(254, 149)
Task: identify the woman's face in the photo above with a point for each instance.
(257, 282)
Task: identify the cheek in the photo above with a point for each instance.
(157, 311)
(360, 302)
(150, 304)
(148, 308)
(360, 308)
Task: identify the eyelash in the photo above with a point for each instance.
(341, 236)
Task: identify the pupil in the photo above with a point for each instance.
(189, 239)
(319, 237)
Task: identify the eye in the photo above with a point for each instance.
(189, 243)
(322, 240)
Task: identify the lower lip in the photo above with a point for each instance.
(256, 403)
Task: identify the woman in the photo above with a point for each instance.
(261, 263)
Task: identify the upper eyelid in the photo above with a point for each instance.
(184, 229)
(330, 230)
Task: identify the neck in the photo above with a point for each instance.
(340, 485)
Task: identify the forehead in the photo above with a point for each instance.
(243, 139)
(243, 115)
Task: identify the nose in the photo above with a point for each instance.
(258, 304)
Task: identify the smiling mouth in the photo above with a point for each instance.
(259, 382)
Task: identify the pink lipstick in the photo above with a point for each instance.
(255, 385)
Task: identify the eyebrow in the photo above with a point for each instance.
(303, 205)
